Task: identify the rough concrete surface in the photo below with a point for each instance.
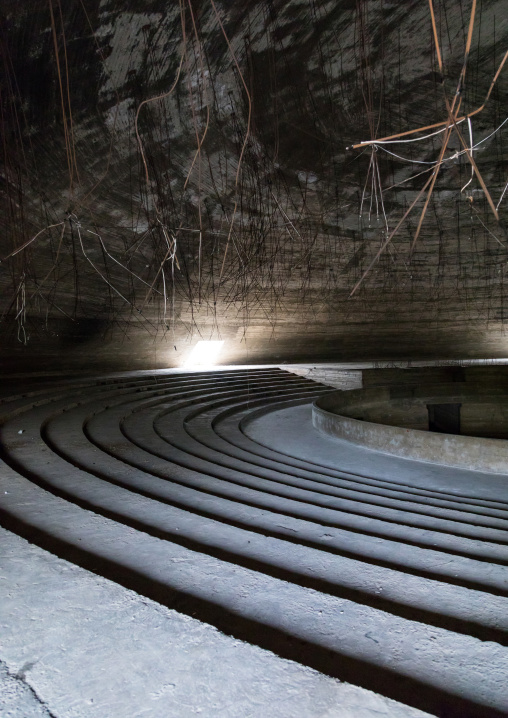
(76, 645)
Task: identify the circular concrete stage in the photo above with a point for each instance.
(395, 420)
(212, 494)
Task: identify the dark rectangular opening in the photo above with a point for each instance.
(444, 418)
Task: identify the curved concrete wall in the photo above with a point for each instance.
(336, 414)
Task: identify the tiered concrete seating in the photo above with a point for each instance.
(153, 482)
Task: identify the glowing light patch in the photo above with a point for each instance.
(204, 354)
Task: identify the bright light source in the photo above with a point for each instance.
(204, 354)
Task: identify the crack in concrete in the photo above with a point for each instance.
(20, 677)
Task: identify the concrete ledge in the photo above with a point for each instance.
(466, 452)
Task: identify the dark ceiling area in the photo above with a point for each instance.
(305, 180)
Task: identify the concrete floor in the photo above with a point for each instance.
(76, 645)
(170, 542)
(291, 430)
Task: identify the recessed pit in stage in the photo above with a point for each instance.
(457, 424)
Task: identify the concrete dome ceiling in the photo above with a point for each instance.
(179, 171)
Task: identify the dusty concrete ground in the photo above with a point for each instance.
(76, 645)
